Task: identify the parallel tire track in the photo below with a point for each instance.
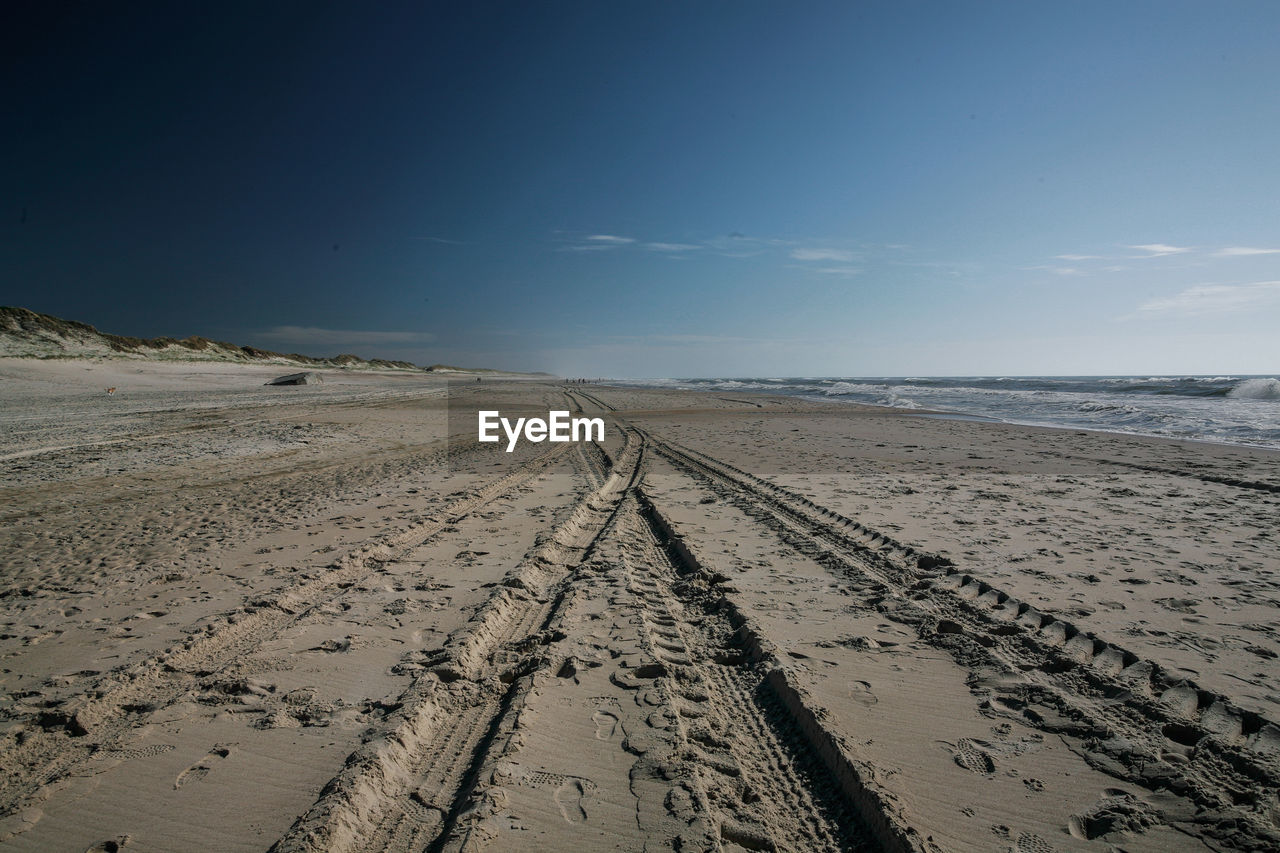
(406, 789)
(59, 739)
(1126, 710)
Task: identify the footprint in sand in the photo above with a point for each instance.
(1029, 842)
(971, 756)
(860, 692)
(421, 811)
(111, 845)
(201, 768)
(1116, 811)
(128, 754)
(606, 725)
(569, 798)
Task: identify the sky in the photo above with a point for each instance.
(650, 189)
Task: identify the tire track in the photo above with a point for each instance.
(592, 399)
(1124, 712)
(719, 761)
(1222, 479)
(61, 738)
(409, 786)
(765, 786)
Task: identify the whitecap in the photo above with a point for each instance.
(1256, 389)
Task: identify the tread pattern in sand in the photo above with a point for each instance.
(50, 747)
(452, 716)
(1038, 667)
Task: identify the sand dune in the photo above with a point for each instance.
(291, 619)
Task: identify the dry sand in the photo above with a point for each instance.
(245, 618)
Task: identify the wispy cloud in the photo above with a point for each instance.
(1243, 251)
(842, 271)
(594, 242)
(311, 336)
(1217, 298)
(839, 255)
(1158, 250)
(671, 247)
(1162, 250)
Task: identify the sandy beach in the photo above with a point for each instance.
(252, 618)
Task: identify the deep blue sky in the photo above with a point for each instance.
(654, 189)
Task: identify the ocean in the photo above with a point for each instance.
(1225, 409)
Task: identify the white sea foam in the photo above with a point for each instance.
(1102, 406)
(1214, 408)
(838, 389)
(1256, 389)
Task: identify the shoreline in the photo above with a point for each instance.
(960, 414)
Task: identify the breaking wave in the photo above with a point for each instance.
(1256, 389)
